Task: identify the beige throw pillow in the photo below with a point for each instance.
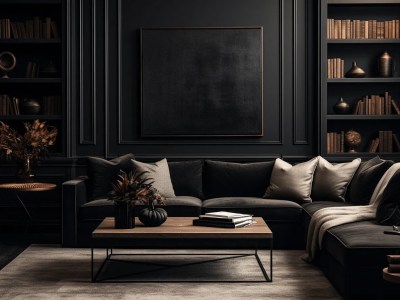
(159, 172)
(292, 182)
(331, 181)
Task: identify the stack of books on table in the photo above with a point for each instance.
(224, 219)
(394, 263)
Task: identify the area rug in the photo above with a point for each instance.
(51, 272)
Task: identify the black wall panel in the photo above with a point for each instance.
(107, 65)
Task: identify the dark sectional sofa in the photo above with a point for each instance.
(352, 255)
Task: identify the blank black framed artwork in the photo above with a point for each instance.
(201, 82)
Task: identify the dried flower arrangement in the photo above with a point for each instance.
(133, 187)
(33, 144)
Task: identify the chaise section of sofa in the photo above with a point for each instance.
(353, 255)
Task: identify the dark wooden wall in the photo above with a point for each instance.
(105, 118)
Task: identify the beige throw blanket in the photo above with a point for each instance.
(329, 217)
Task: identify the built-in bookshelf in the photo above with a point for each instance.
(33, 32)
(359, 31)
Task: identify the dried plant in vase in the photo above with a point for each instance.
(29, 147)
(129, 189)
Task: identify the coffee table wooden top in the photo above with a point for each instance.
(181, 227)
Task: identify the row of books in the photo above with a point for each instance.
(224, 219)
(32, 70)
(394, 263)
(335, 68)
(51, 105)
(387, 141)
(363, 29)
(35, 28)
(10, 106)
(335, 142)
(376, 105)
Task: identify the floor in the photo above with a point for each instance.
(10, 250)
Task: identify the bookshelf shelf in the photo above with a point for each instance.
(29, 80)
(31, 117)
(364, 80)
(363, 41)
(30, 41)
(362, 117)
(346, 28)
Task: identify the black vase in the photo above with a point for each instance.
(124, 215)
(30, 107)
(24, 171)
(355, 71)
(385, 65)
(341, 107)
(153, 217)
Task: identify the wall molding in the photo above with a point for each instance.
(120, 138)
(296, 140)
(69, 5)
(83, 140)
(106, 78)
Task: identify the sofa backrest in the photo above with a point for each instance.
(187, 178)
(227, 179)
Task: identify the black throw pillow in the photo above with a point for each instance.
(227, 179)
(365, 180)
(102, 173)
(388, 211)
(187, 178)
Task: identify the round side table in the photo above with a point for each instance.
(26, 187)
(391, 277)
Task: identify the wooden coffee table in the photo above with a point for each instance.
(178, 228)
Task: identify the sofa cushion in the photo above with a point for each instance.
(360, 244)
(388, 211)
(269, 209)
(103, 172)
(331, 181)
(292, 182)
(227, 179)
(159, 174)
(365, 180)
(187, 178)
(179, 206)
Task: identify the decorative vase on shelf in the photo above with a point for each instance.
(341, 107)
(385, 65)
(355, 71)
(153, 217)
(124, 213)
(353, 140)
(30, 107)
(25, 171)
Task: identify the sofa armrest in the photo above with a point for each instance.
(73, 196)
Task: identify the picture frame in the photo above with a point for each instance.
(202, 81)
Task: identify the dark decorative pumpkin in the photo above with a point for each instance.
(153, 217)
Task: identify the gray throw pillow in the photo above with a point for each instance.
(331, 181)
(292, 182)
(159, 172)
